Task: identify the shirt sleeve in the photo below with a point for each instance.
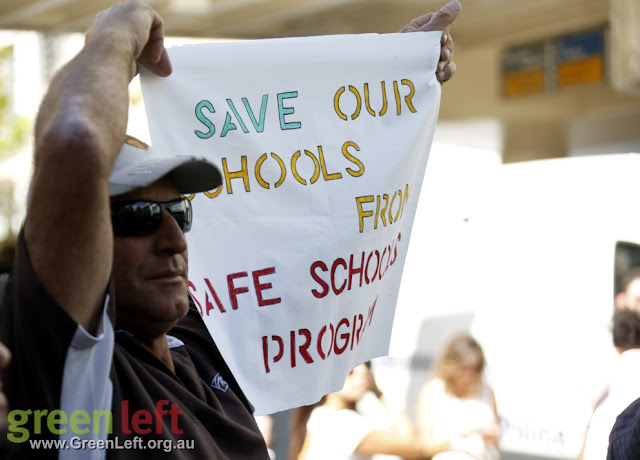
(46, 343)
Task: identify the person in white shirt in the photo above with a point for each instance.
(336, 430)
(456, 410)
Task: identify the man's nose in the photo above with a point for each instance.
(170, 236)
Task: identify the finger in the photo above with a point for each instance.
(445, 54)
(447, 72)
(443, 17)
(446, 41)
(164, 67)
(155, 43)
(154, 56)
(417, 23)
(446, 50)
(161, 67)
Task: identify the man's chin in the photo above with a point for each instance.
(152, 318)
(171, 312)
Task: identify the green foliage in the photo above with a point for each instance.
(14, 130)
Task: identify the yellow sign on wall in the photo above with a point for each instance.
(523, 71)
(554, 64)
(580, 59)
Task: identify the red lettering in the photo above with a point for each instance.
(366, 270)
(353, 332)
(371, 310)
(139, 418)
(354, 271)
(142, 419)
(336, 263)
(395, 248)
(319, 343)
(303, 348)
(174, 412)
(373, 269)
(369, 315)
(265, 351)
(333, 336)
(192, 286)
(260, 287)
(381, 259)
(278, 339)
(234, 291)
(159, 412)
(125, 416)
(361, 319)
(344, 337)
(320, 281)
(215, 297)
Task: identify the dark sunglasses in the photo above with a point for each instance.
(140, 217)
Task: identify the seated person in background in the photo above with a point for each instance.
(456, 411)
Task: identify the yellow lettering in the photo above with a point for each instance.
(366, 100)
(358, 101)
(398, 100)
(352, 159)
(393, 198)
(361, 213)
(242, 174)
(336, 103)
(323, 165)
(283, 170)
(412, 92)
(384, 99)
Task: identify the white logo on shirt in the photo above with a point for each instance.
(219, 383)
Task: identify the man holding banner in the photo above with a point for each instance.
(110, 356)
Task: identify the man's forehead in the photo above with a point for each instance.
(161, 190)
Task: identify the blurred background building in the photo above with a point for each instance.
(536, 79)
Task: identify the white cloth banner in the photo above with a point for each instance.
(296, 260)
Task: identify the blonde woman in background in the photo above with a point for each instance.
(456, 411)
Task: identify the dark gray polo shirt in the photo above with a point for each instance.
(197, 413)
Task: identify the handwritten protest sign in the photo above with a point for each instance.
(296, 260)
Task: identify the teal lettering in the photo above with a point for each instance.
(228, 126)
(204, 120)
(259, 125)
(238, 117)
(283, 111)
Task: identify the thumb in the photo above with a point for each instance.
(443, 17)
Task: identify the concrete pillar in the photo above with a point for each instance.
(624, 17)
